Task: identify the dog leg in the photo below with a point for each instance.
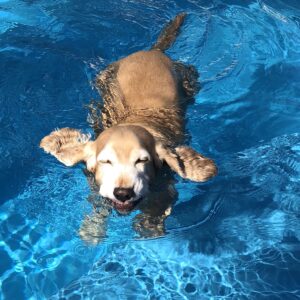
(151, 222)
(93, 227)
(148, 226)
(188, 76)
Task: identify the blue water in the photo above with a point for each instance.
(234, 237)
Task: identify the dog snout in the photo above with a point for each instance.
(123, 194)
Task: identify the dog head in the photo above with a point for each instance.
(124, 159)
(126, 162)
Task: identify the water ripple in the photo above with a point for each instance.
(235, 237)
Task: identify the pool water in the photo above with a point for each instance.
(234, 237)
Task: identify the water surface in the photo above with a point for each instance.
(234, 237)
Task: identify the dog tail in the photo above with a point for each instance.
(169, 33)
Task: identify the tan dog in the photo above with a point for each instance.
(142, 120)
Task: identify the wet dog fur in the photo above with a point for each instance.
(142, 128)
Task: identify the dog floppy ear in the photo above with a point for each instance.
(187, 162)
(70, 147)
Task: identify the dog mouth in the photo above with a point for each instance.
(125, 206)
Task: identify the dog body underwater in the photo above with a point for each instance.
(142, 120)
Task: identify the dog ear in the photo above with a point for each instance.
(70, 147)
(187, 162)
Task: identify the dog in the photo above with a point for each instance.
(142, 126)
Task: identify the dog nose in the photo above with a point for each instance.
(123, 194)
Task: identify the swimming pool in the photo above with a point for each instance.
(234, 237)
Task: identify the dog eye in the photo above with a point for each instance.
(142, 160)
(105, 162)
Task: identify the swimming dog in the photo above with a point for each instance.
(142, 125)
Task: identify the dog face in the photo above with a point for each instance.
(125, 164)
(124, 159)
